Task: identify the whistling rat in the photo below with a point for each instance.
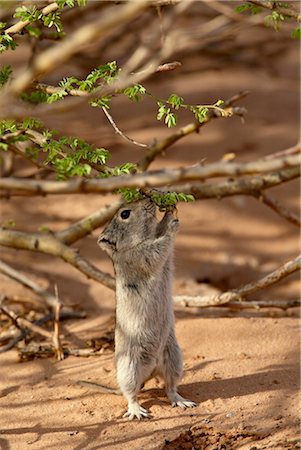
(145, 344)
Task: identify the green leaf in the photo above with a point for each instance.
(51, 19)
(5, 73)
(6, 43)
(175, 101)
(134, 92)
(102, 102)
(171, 120)
(35, 97)
(124, 169)
(161, 111)
(296, 33)
(7, 126)
(62, 3)
(33, 31)
(3, 146)
(67, 83)
(274, 20)
(201, 113)
(56, 96)
(219, 103)
(254, 9)
(30, 123)
(130, 194)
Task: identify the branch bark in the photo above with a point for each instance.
(236, 294)
(279, 209)
(50, 299)
(56, 55)
(151, 178)
(50, 245)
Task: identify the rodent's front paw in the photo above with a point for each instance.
(173, 225)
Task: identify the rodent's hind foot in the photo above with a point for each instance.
(177, 400)
(135, 410)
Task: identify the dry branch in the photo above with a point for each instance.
(16, 334)
(279, 209)
(24, 324)
(151, 178)
(250, 186)
(56, 55)
(159, 147)
(118, 131)
(236, 294)
(50, 245)
(85, 226)
(50, 299)
(43, 350)
(58, 349)
(240, 186)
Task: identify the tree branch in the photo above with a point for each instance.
(50, 245)
(56, 55)
(273, 6)
(85, 226)
(151, 178)
(118, 131)
(159, 147)
(236, 294)
(279, 209)
(25, 281)
(17, 27)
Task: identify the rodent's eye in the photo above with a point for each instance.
(125, 214)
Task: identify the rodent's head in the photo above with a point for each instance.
(132, 224)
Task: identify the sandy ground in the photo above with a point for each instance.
(242, 368)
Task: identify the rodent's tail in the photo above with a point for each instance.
(99, 387)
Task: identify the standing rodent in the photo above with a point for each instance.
(145, 344)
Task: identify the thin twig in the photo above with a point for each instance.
(159, 147)
(118, 131)
(22, 323)
(35, 350)
(279, 209)
(19, 335)
(287, 152)
(58, 350)
(7, 270)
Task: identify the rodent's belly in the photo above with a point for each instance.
(142, 321)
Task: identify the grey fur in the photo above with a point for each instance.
(145, 344)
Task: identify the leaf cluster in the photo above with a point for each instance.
(163, 201)
(71, 156)
(273, 20)
(33, 14)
